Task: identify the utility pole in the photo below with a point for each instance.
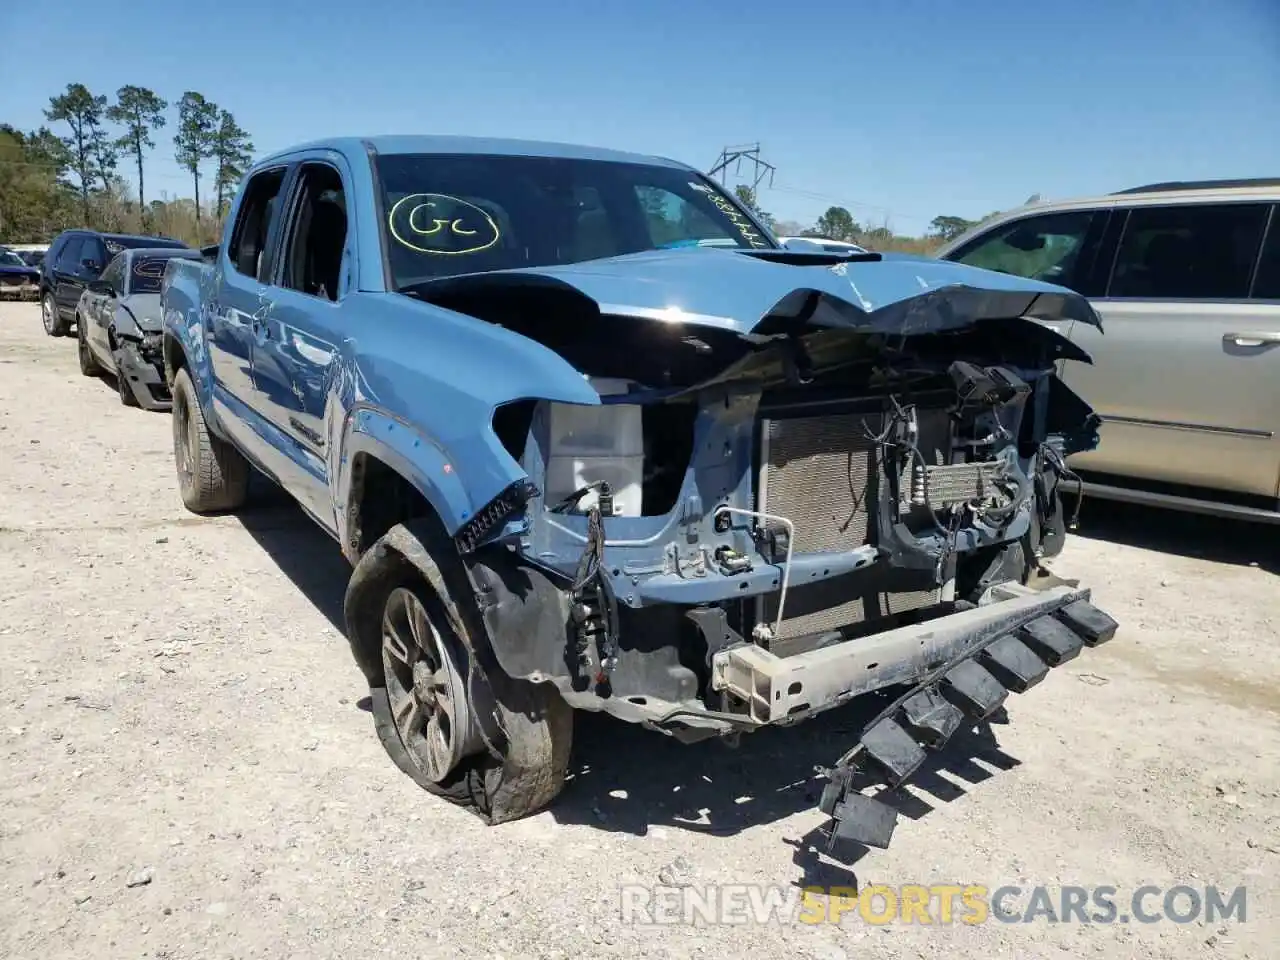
(735, 155)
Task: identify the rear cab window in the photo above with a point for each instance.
(1189, 251)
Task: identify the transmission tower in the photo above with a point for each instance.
(734, 157)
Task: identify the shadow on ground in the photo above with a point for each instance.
(1240, 542)
(626, 779)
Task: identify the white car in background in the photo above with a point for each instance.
(824, 244)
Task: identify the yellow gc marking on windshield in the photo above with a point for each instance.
(438, 224)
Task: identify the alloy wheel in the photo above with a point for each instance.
(425, 687)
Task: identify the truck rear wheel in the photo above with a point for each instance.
(443, 709)
(212, 474)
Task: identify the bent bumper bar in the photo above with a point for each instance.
(777, 689)
(959, 673)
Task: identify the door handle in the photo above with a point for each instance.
(1252, 338)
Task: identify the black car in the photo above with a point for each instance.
(76, 257)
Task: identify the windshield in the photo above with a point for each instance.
(447, 214)
(146, 274)
(11, 259)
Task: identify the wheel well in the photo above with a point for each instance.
(380, 498)
(175, 358)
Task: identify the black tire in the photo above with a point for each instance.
(212, 475)
(54, 325)
(89, 365)
(526, 728)
(122, 387)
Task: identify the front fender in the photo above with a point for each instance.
(455, 494)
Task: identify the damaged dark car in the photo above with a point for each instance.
(593, 440)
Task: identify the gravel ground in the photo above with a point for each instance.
(189, 768)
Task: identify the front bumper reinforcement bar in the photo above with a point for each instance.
(957, 668)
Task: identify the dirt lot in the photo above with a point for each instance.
(188, 768)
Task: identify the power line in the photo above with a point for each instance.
(735, 155)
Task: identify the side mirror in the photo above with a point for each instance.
(101, 286)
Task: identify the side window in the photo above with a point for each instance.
(317, 235)
(1196, 251)
(671, 218)
(248, 247)
(53, 254)
(114, 274)
(1047, 247)
(94, 254)
(70, 259)
(1266, 283)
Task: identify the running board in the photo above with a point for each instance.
(1168, 501)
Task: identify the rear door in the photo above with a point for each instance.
(1186, 375)
(69, 275)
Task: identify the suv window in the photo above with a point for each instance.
(317, 233)
(93, 250)
(1047, 247)
(69, 260)
(253, 223)
(1266, 284)
(1194, 251)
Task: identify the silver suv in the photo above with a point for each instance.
(1186, 277)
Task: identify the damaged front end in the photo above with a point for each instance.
(820, 482)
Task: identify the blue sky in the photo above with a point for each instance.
(903, 109)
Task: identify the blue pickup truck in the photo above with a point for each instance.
(592, 439)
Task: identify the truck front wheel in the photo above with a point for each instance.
(212, 474)
(443, 709)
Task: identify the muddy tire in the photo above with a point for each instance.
(512, 738)
(54, 325)
(89, 365)
(212, 475)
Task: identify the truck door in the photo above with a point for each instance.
(239, 304)
(1186, 376)
(297, 347)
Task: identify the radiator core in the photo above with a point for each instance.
(825, 474)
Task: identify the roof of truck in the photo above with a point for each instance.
(396, 144)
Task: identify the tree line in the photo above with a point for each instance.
(51, 180)
(837, 223)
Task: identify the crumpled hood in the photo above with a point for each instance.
(736, 291)
(144, 309)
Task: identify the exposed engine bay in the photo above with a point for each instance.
(783, 506)
(763, 521)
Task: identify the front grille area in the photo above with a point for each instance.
(822, 473)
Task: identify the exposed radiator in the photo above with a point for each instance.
(823, 474)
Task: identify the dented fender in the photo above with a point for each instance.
(425, 408)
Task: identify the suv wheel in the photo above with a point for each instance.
(54, 325)
(212, 474)
(445, 712)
